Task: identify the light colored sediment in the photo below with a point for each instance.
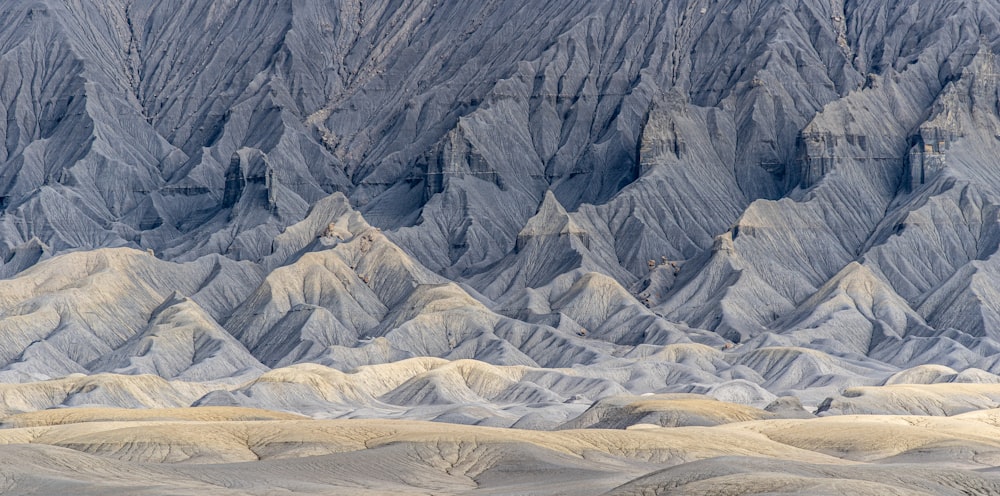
(171, 450)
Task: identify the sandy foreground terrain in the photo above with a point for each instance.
(214, 450)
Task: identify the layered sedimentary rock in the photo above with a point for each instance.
(519, 209)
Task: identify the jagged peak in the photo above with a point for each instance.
(723, 243)
(868, 292)
(551, 219)
(595, 291)
(431, 298)
(854, 274)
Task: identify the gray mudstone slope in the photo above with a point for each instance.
(569, 200)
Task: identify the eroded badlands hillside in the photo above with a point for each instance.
(508, 213)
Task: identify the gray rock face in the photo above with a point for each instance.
(740, 199)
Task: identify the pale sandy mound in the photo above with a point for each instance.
(665, 410)
(969, 441)
(733, 476)
(203, 414)
(201, 441)
(233, 451)
(922, 374)
(913, 399)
